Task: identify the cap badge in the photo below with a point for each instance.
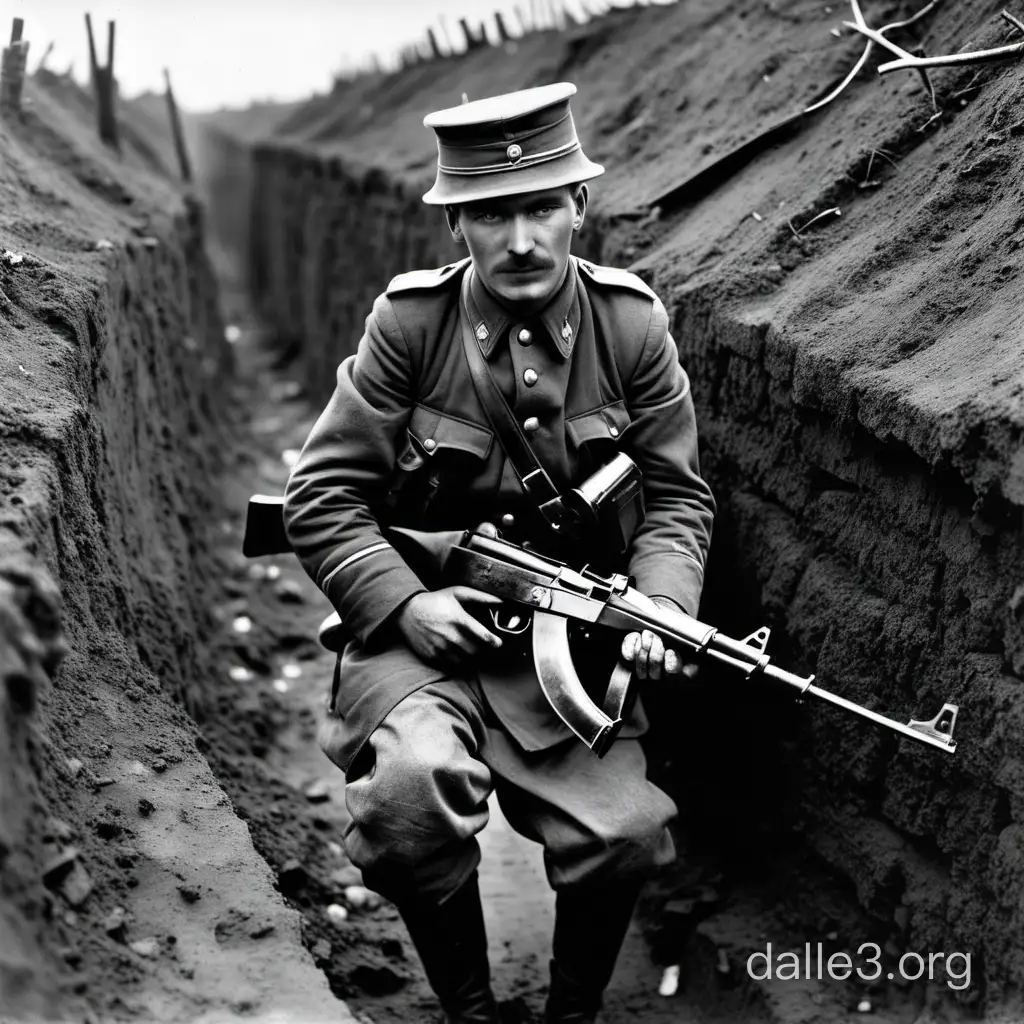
(481, 331)
(514, 153)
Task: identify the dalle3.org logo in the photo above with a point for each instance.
(954, 968)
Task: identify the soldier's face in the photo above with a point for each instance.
(520, 244)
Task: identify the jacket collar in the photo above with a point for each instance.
(560, 318)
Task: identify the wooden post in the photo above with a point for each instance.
(12, 70)
(503, 33)
(105, 86)
(184, 164)
(435, 46)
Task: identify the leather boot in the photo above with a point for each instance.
(452, 944)
(590, 925)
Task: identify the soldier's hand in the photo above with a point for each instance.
(650, 658)
(438, 628)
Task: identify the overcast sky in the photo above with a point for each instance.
(229, 52)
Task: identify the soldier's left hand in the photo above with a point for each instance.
(651, 658)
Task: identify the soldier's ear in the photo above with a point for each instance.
(452, 214)
(580, 196)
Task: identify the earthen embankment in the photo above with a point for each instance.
(117, 419)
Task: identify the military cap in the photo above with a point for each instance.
(508, 144)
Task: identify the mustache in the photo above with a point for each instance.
(519, 266)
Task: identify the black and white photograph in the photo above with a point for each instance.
(512, 512)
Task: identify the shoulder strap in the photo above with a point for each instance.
(532, 475)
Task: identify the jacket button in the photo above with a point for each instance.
(614, 431)
(525, 337)
(531, 424)
(430, 444)
(529, 377)
(508, 520)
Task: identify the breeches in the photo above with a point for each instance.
(417, 796)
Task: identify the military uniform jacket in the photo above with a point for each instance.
(404, 441)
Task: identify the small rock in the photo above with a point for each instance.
(160, 766)
(75, 766)
(116, 924)
(669, 981)
(102, 782)
(146, 808)
(12, 259)
(232, 334)
(289, 592)
(864, 1006)
(65, 874)
(189, 893)
(273, 572)
(104, 244)
(148, 947)
(239, 673)
(137, 768)
(321, 951)
(291, 670)
(346, 876)
(358, 897)
(337, 914)
(281, 686)
(241, 624)
(150, 242)
(338, 850)
(261, 931)
(317, 792)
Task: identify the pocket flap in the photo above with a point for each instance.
(608, 423)
(447, 432)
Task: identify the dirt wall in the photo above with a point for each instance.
(861, 410)
(117, 419)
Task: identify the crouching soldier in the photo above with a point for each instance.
(431, 709)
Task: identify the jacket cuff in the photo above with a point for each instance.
(669, 574)
(367, 595)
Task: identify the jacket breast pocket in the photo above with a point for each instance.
(602, 428)
(441, 455)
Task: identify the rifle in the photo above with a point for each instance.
(556, 594)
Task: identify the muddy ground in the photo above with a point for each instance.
(169, 831)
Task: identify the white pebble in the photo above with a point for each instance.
(335, 848)
(242, 624)
(669, 981)
(239, 673)
(232, 334)
(146, 947)
(864, 1006)
(360, 898)
(290, 456)
(257, 571)
(291, 670)
(337, 913)
(281, 686)
(273, 572)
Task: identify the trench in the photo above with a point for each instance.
(870, 514)
(873, 528)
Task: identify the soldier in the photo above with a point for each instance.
(427, 715)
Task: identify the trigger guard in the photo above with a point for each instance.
(509, 625)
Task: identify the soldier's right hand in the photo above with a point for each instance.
(438, 628)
